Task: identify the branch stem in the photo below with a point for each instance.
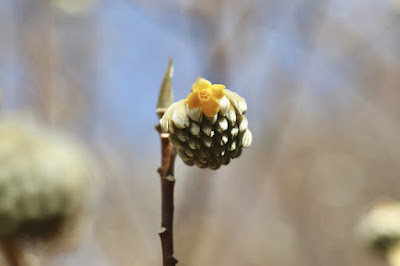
(12, 252)
(166, 171)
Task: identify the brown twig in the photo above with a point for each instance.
(166, 171)
(12, 252)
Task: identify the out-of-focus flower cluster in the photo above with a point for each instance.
(43, 177)
(74, 7)
(380, 227)
(212, 139)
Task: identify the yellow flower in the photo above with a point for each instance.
(205, 95)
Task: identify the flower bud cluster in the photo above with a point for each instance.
(43, 177)
(204, 141)
(380, 227)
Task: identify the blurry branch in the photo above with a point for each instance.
(40, 52)
(166, 171)
(12, 252)
(223, 42)
(49, 87)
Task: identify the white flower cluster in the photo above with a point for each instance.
(204, 141)
(380, 227)
(42, 175)
(74, 7)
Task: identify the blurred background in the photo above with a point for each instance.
(321, 79)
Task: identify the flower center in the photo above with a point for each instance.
(205, 94)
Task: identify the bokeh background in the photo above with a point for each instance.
(321, 79)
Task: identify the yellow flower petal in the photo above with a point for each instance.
(218, 90)
(193, 100)
(210, 107)
(201, 84)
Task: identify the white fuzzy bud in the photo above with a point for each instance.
(238, 102)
